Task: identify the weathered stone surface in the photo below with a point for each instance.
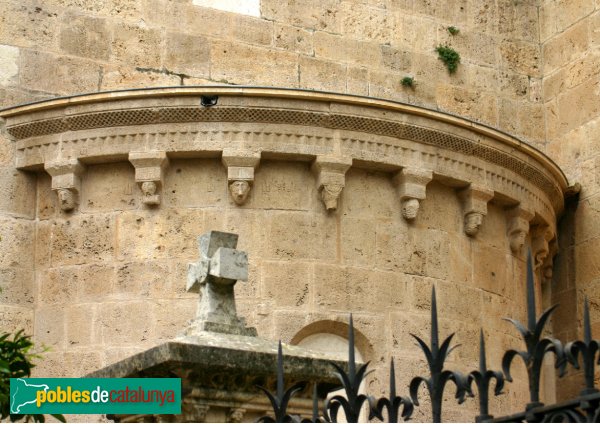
(85, 36)
(293, 38)
(238, 64)
(15, 318)
(299, 235)
(338, 48)
(61, 74)
(561, 49)
(108, 188)
(17, 193)
(137, 45)
(311, 14)
(209, 189)
(9, 64)
(474, 104)
(16, 241)
(324, 75)
(288, 285)
(82, 238)
(28, 24)
(187, 54)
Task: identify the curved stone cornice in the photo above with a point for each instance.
(292, 124)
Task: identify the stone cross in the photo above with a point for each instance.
(220, 266)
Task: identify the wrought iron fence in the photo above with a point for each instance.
(577, 354)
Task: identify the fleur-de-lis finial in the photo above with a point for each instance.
(393, 404)
(353, 402)
(436, 357)
(588, 348)
(279, 403)
(482, 378)
(536, 346)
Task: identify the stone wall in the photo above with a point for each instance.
(570, 37)
(528, 68)
(68, 47)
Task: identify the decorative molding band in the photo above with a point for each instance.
(294, 124)
(171, 115)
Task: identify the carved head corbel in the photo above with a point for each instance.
(66, 199)
(410, 208)
(330, 194)
(473, 221)
(540, 244)
(149, 193)
(239, 190)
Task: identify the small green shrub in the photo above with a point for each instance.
(449, 56)
(408, 81)
(16, 362)
(453, 30)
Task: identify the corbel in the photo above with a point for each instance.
(66, 181)
(548, 265)
(240, 172)
(149, 174)
(331, 178)
(411, 184)
(475, 199)
(518, 227)
(541, 236)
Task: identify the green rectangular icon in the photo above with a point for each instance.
(95, 395)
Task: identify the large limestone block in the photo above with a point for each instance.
(358, 240)
(17, 192)
(125, 323)
(85, 36)
(357, 289)
(50, 326)
(81, 325)
(413, 252)
(83, 238)
(9, 65)
(491, 270)
(288, 284)
(369, 195)
(195, 183)
(144, 279)
(279, 185)
(170, 316)
(15, 318)
(521, 56)
(108, 187)
(588, 266)
(243, 64)
(43, 71)
(137, 45)
(28, 24)
(318, 74)
(188, 54)
(303, 15)
(292, 38)
(300, 235)
(74, 284)
(362, 21)
(564, 47)
(146, 235)
(346, 50)
(17, 287)
(16, 243)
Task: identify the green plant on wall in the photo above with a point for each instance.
(408, 82)
(449, 56)
(16, 362)
(453, 30)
